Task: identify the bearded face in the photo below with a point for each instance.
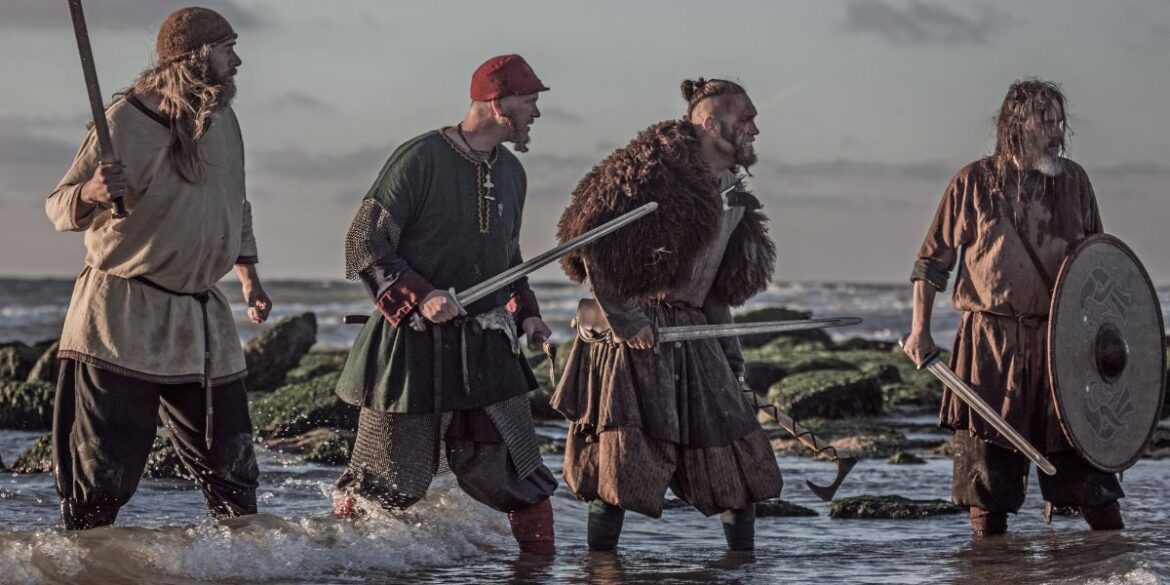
(737, 132)
(518, 115)
(1044, 135)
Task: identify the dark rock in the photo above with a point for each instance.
(760, 375)
(2, 466)
(539, 398)
(861, 343)
(323, 446)
(17, 360)
(36, 459)
(277, 350)
(46, 367)
(904, 458)
(550, 446)
(314, 365)
(779, 314)
(889, 508)
(828, 394)
(1062, 511)
(298, 408)
(1159, 446)
(777, 508)
(885, 373)
(26, 405)
(163, 461)
(947, 449)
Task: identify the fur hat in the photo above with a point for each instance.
(187, 30)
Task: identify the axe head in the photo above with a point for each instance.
(826, 492)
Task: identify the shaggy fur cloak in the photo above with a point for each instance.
(642, 260)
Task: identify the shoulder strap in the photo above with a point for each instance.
(1047, 278)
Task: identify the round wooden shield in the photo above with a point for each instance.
(1106, 353)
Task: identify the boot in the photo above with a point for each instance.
(1107, 517)
(985, 523)
(605, 526)
(533, 529)
(739, 526)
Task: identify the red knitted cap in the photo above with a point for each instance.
(503, 76)
(187, 30)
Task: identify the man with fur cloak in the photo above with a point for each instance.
(645, 417)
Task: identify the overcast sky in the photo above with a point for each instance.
(866, 108)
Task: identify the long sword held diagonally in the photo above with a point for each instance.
(947, 376)
(507, 277)
(105, 145)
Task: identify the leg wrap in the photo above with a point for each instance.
(605, 525)
(739, 526)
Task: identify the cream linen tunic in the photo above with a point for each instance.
(182, 236)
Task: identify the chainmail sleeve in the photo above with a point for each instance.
(372, 236)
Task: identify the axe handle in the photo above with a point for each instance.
(794, 428)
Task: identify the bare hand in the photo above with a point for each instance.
(107, 183)
(536, 331)
(643, 339)
(438, 307)
(259, 305)
(919, 345)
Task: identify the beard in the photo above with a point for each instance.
(225, 90)
(517, 134)
(1048, 164)
(744, 152)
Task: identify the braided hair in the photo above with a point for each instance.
(697, 90)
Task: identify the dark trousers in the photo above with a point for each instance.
(103, 429)
(995, 479)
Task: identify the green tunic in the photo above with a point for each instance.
(430, 192)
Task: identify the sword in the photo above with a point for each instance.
(495, 283)
(689, 332)
(935, 366)
(105, 145)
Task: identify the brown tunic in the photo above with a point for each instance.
(182, 236)
(1001, 346)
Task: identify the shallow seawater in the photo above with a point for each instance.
(162, 537)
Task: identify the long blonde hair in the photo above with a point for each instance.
(190, 94)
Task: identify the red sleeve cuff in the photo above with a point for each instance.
(403, 296)
(523, 303)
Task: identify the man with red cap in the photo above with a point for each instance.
(444, 214)
(146, 325)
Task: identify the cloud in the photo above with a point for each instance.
(296, 100)
(114, 14)
(920, 22)
(296, 163)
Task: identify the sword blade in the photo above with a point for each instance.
(691, 332)
(491, 285)
(968, 395)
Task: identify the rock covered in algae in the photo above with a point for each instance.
(889, 508)
(777, 508)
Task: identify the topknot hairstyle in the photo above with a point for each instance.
(697, 90)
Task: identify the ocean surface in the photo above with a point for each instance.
(162, 536)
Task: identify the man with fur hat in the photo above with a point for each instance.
(146, 324)
(646, 417)
(1008, 220)
(445, 214)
